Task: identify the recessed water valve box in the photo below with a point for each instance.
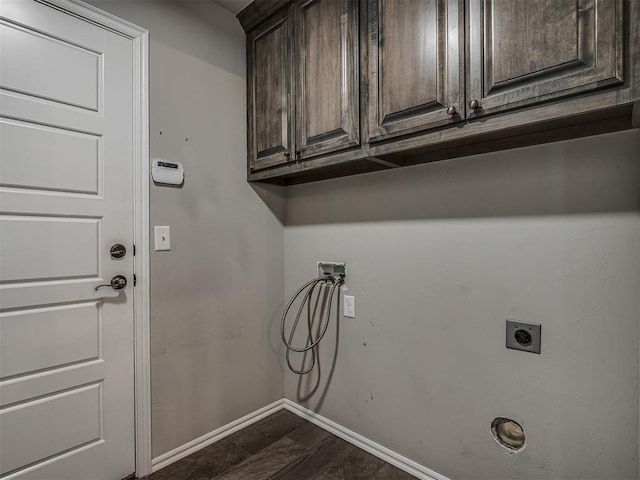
(334, 269)
(523, 336)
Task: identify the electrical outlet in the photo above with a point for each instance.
(523, 336)
(162, 238)
(350, 306)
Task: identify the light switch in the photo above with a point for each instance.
(350, 306)
(163, 238)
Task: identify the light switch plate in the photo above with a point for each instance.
(162, 236)
(523, 336)
(350, 306)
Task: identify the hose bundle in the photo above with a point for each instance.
(329, 281)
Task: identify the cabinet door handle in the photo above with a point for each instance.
(473, 104)
(451, 111)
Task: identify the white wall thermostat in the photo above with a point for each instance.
(166, 172)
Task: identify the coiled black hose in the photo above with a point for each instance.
(310, 286)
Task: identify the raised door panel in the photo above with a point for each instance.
(522, 53)
(270, 92)
(327, 81)
(415, 65)
(46, 80)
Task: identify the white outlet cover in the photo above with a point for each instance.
(349, 306)
(162, 236)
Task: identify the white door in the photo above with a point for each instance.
(66, 150)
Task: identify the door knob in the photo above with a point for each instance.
(473, 104)
(451, 111)
(117, 282)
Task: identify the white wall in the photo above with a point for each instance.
(439, 256)
(215, 297)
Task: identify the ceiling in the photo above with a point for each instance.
(234, 6)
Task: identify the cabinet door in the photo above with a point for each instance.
(269, 93)
(415, 65)
(526, 52)
(327, 76)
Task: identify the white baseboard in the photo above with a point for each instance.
(212, 437)
(389, 456)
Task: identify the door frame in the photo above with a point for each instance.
(142, 351)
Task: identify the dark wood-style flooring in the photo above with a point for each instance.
(281, 446)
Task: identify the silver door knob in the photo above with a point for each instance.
(473, 104)
(117, 282)
(451, 111)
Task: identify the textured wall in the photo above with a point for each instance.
(216, 294)
(439, 255)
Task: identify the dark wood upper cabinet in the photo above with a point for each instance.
(340, 87)
(524, 52)
(270, 92)
(327, 76)
(416, 65)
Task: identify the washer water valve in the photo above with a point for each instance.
(335, 269)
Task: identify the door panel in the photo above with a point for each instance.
(47, 156)
(522, 53)
(66, 195)
(415, 65)
(547, 33)
(55, 434)
(34, 340)
(408, 27)
(269, 96)
(327, 69)
(79, 86)
(39, 248)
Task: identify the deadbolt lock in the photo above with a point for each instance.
(117, 251)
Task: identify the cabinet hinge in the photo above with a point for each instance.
(134, 249)
(135, 280)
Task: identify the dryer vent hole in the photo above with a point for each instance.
(508, 433)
